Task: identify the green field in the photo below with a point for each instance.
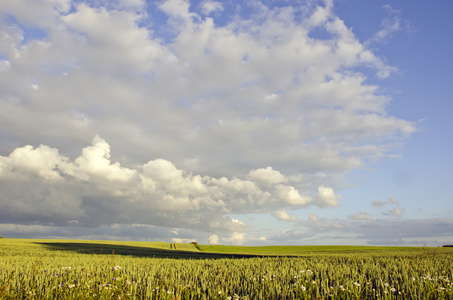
(70, 269)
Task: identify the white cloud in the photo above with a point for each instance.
(326, 197)
(213, 239)
(282, 215)
(41, 162)
(291, 196)
(209, 7)
(95, 162)
(266, 176)
(177, 9)
(237, 238)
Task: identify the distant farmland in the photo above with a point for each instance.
(69, 269)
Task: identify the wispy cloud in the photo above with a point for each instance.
(392, 23)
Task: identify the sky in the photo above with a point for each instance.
(262, 122)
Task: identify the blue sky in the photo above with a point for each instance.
(269, 122)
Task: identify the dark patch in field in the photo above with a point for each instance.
(109, 249)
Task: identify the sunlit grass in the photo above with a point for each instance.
(68, 269)
(303, 250)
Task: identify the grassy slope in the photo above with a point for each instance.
(303, 250)
(161, 249)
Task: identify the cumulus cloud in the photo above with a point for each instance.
(326, 197)
(266, 176)
(291, 196)
(91, 191)
(253, 114)
(283, 215)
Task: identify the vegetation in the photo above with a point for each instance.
(64, 269)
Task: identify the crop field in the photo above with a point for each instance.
(69, 269)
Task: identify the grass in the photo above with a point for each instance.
(69, 269)
(305, 250)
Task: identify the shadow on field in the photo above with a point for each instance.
(109, 249)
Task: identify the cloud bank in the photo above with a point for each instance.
(198, 112)
(41, 186)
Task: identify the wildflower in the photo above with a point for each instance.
(393, 289)
(386, 284)
(303, 288)
(220, 292)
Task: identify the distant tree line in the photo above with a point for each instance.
(447, 246)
